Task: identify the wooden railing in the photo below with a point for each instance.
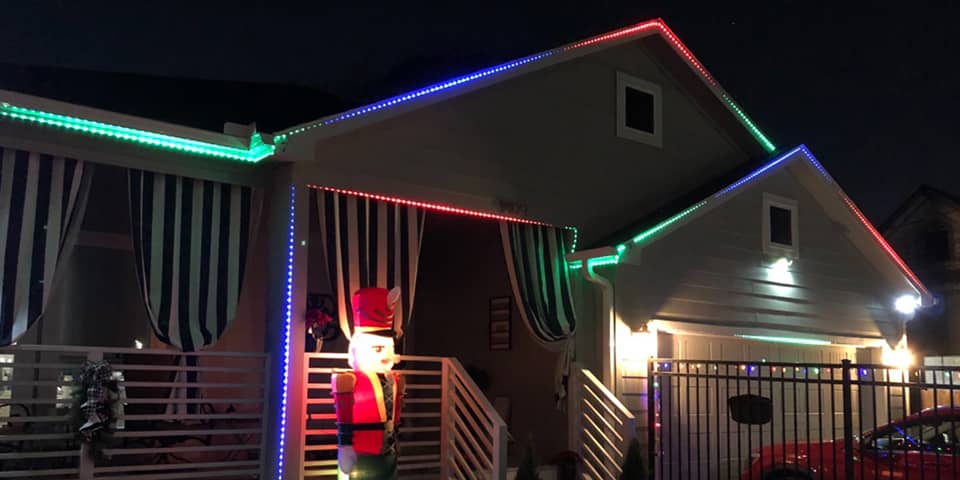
(602, 426)
(449, 428)
(185, 415)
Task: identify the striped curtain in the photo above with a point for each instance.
(41, 201)
(537, 267)
(190, 240)
(369, 243)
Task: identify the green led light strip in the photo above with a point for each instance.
(595, 262)
(257, 151)
(666, 223)
(791, 340)
(767, 144)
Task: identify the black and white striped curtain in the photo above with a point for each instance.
(190, 239)
(41, 201)
(369, 243)
(537, 267)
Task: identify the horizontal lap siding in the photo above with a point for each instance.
(713, 269)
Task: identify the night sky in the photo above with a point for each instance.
(872, 90)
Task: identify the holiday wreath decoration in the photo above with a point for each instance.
(93, 411)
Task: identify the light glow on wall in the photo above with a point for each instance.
(287, 318)
(257, 151)
(790, 340)
(639, 345)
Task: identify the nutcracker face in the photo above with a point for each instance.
(371, 353)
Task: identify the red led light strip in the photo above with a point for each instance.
(430, 206)
(665, 30)
(617, 33)
(886, 246)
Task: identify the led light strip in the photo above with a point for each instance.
(791, 340)
(255, 153)
(656, 25)
(651, 232)
(431, 206)
(403, 98)
(288, 317)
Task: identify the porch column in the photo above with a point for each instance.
(288, 229)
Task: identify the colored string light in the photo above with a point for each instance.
(288, 317)
(649, 26)
(430, 206)
(780, 160)
(406, 97)
(756, 173)
(666, 223)
(257, 151)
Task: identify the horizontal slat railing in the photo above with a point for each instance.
(213, 429)
(602, 425)
(419, 440)
(449, 428)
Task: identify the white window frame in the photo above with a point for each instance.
(778, 249)
(623, 131)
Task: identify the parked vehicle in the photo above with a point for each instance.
(922, 446)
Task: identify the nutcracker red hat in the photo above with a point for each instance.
(373, 311)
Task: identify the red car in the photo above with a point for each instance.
(925, 446)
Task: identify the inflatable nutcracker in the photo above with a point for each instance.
(368, 397)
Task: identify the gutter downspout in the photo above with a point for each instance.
(607, 330)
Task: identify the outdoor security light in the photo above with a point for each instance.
(907, 304)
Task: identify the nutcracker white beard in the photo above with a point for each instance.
(371, 353)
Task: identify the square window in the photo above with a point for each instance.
(780, 236)
(639, 110)
(781, 230)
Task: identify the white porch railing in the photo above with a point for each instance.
(212, 430)
(601, 428)
(450, 429)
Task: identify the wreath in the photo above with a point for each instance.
(93, 411)
(319, 317)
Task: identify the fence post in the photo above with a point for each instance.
(847, 420)
(86, 465)
(651, 417)
(445, 419)
(499, 452)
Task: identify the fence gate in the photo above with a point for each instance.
(768, 420)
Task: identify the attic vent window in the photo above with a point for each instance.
(639, 110)
(780, 219)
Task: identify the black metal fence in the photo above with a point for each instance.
(769, 420)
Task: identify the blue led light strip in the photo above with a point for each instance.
(406, 97)
(288, 315)
(756, 173)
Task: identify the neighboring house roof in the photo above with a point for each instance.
(429, 94)
(923, 192)
(192, 102)
(654, 228)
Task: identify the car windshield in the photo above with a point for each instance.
(939, 435)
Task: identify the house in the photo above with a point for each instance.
(472, 195)
(921, 229)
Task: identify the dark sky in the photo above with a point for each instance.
(871, 89)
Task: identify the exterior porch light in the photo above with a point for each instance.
(640, 345)
(137, 344)
(907, 304)
(899, 357)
